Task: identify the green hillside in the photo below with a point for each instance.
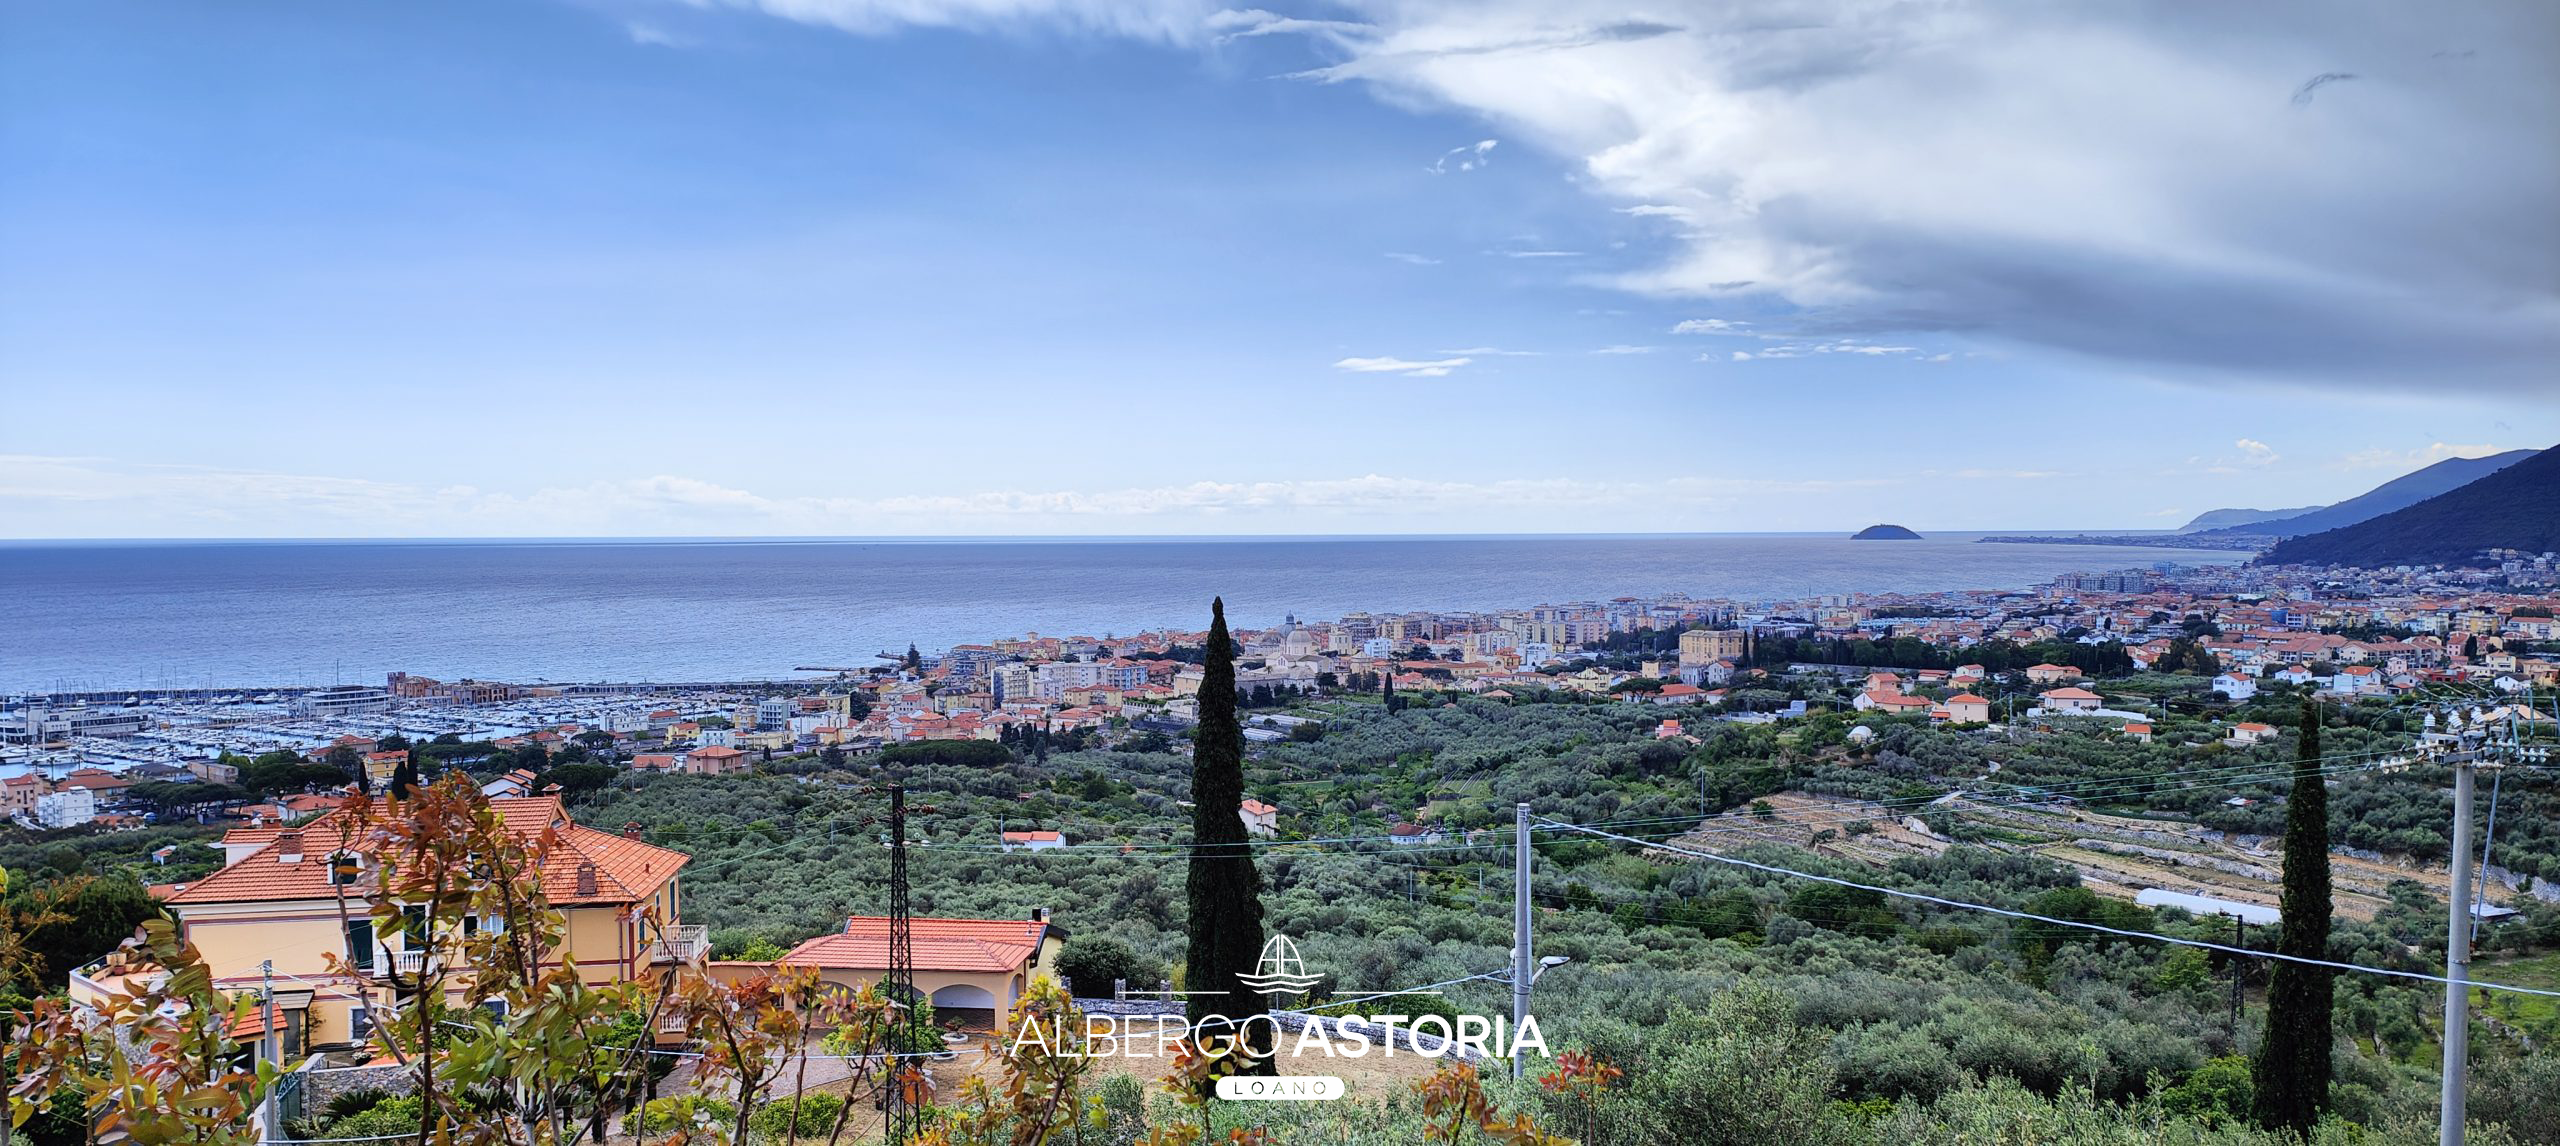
(2397, 494)
(2515, 508)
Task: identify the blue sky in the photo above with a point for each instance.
(625, 267)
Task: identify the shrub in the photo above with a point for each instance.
(808, 1115)
(1123, 1117)
(352, 1103)
(1090, 963)
(2218, 1092)
(1745, 1071)
(385, 1118)
(667, 1115)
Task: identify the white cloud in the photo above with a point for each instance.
(646, 33)
(2379, 458)
(1659, 211)
(1536, 254)
(1162, 21)
(2256, 453)
(68, 496)
(1416, 260)
(1623, 348)
(1468, 158)
(1493, 352)
(1710, 326)
(1851, 346)
(1408, 367)
(1236, 24)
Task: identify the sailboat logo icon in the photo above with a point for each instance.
(1280, 972)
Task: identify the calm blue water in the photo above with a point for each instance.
(124, 615)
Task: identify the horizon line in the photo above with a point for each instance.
(968, 538)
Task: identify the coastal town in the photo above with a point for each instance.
(69, 761)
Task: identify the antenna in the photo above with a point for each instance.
(906, 1118)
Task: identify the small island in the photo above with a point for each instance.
(1884, 533)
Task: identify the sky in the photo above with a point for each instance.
(302, 268)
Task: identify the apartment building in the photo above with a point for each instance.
(1702, 647)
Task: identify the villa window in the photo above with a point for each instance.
(360, 942)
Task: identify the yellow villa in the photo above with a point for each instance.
(273, 909)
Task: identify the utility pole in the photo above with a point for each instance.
(2496, 749)
(272, 1044)
(905, 1119)
(2239, 938)
(1520, 958)
(2457, 963)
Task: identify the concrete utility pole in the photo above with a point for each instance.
(2457, 964)
(2239, 938)
(1521, 960)
(272, 1043)
(2497, 749)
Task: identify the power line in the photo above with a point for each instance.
(1942, 901)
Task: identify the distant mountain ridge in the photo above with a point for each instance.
(2515, 507)
(2397, 494)
(2229, 518)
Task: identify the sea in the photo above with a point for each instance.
(100, 616)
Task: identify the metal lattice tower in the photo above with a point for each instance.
(905, 1118)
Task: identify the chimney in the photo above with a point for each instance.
(587, 878)
(289, 847)
(1039, 915)
(631, 830)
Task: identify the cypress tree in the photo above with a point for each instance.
(2292, 1067)
(1225, 922)
(1387, 688)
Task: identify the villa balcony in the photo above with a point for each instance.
(682, 944)
(403, 964)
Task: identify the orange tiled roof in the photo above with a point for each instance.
(627, 870)
(940, 945)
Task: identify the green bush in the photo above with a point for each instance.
(666, 1115)
(384, 1118)
(2219, 1092)
(1122, 1117)
(352, 1103)
(1089, 964)
(816, 1114)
